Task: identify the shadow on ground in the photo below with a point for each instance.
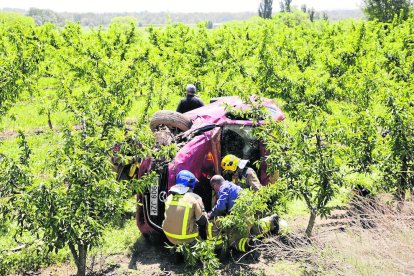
(148, 252)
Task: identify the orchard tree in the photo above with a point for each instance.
(304, 8)
(75, 206)
(385, 10)
(13, 175)
(41, 16)
(360, 136)
(306, 157)
(265, 9)
(96, 86)
(21, 53)
(312, 14)
(398, 138)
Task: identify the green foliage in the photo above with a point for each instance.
(254, 111)
(41, 16)
(26, 259)
(12, 17)
(20, 55)
(83, 196)
(251, 206)
(105, 77)
(360, 138)
(308, 160)
(342, 85)
(201, 252)
(13, 178)
(386, 10)
(76, 205)
(398, 158)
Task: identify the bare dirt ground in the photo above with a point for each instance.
(8, 134)
(369, 238)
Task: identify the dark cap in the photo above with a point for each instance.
(191, 89)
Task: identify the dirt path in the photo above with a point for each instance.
(8, 134)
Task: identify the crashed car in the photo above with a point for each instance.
(203, 136)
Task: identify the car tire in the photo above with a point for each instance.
(171, 119)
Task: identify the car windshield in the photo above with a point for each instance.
(239, 141)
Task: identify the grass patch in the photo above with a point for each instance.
(373, 238)
(119, 240)
(41, 146)
(285, 267)
(15, 257)
(115, 241)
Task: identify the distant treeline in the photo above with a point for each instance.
(148, 18)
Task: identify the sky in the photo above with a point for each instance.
(101, 6)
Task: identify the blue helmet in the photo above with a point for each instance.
(186, 178)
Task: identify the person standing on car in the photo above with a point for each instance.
(185, 217)
(190, 102)
(236, 169)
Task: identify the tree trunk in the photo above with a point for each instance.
(49, 120)
(79, 257)
(400, 197)
(83, 250)
(311, 223)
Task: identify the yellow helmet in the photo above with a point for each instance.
(230, 162)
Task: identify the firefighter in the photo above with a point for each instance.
(185, 216)
(190, 102)
(251, 243)
(236, 169)
(227, 193)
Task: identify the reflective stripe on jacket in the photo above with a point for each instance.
(213, 234)
(181, 214)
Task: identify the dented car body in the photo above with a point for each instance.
(212, 135)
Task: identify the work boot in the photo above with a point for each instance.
(253, 246)
(274, 220)
(224, 254)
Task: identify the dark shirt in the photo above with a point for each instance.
(226, 196)
(189, 103)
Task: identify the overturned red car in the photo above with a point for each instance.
(203, 136)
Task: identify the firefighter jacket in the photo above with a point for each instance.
(247, 178)
(183, 213)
